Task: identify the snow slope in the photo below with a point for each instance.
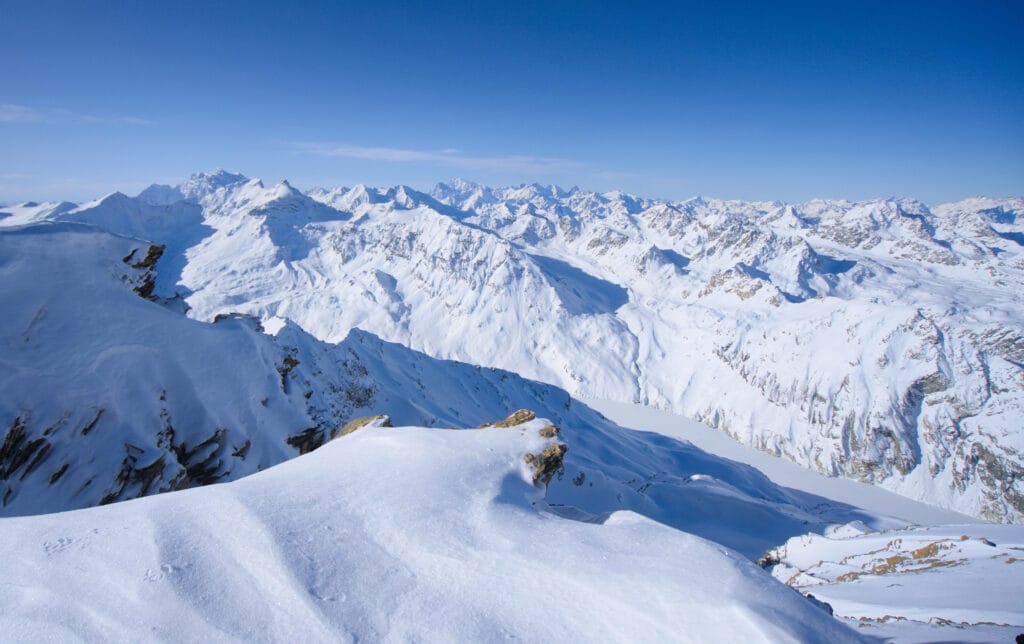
(882, 340)
(31, 211)
(109, 396)
(911, 584)
(781, 471)
(386, 534)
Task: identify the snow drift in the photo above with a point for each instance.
(386, 534)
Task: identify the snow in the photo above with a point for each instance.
(879, 341)
(31, 212)
(852, 338)
(906, 583)
(110, 396)
(418, 532)
(387, 534)
(781, 471)
(105, 378)
(966, 591)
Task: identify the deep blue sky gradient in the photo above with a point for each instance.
(752, 100)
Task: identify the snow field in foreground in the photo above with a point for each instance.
(388, 534)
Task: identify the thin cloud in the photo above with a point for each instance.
(448, 156)
(12, 113)
(17, 114)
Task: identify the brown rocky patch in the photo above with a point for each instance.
(515, 418)
(359, 423)
(548, 431)
(546, 464)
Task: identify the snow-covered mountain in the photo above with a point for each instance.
(386, 535)
(113, 395)
(222, 331)
(109, 396)
(882, 340)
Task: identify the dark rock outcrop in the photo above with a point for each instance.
(547, 463)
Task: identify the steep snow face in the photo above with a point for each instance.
(389, 535)
(108, 396)
(880, 340)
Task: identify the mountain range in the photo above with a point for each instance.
(339, 362)
(881, 340)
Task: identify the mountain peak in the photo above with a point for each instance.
(202, 184)
(284, 190)
(460, 185)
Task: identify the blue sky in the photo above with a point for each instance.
(749, 100)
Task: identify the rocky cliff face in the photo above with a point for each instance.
(881, 340)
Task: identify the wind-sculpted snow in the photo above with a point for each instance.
(880, 340)
(388, 534)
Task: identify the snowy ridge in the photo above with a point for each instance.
(880, 340)
(391, 535)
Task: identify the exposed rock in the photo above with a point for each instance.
(516, 418)
(92, 423)
(59, 473)
(825, 606)
(202, 462)
(380, 420)
(134, 480)
(1003, 475)
(152, 257)
(772, 557)
(17, 450)
(245, 317)
(148, 264)
(243, 450)
(546, 464)
(548, 431)
(285, 368)
(307, 440)
(177, 467)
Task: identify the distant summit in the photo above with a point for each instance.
(192, 189)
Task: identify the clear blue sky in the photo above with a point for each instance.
(765, 100)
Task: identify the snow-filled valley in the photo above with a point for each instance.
(265, 339)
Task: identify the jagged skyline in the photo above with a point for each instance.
(794, 102)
